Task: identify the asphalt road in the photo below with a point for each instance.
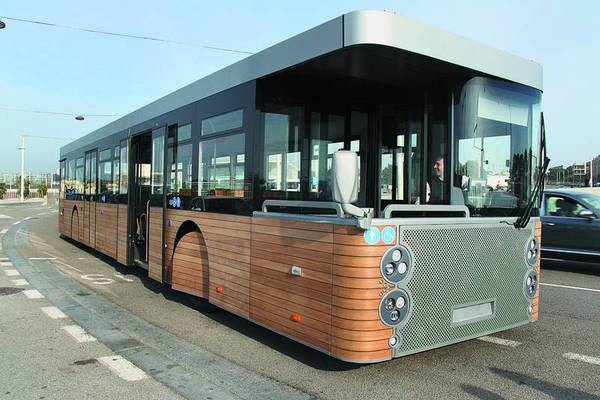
(198, 351)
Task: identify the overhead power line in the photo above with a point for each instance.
(57, 113)
(127, 35)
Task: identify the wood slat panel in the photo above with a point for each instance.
(155, 270)
(122, 235)
(357, 331)
(276, 294)
(190, 265)
(105, 222)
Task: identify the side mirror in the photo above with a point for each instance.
(344, 184)
(587, 214)
(344, 176)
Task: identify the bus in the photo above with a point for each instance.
(369, 188)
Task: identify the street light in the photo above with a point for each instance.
(2, 24)
(79, 118)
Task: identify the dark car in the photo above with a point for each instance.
(571, 226)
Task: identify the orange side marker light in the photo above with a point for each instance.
(219, 289)
(295, 317)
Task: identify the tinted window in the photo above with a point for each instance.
(559, 206)
(221, 166)
(222, 122)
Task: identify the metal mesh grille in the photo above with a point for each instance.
(457, 265)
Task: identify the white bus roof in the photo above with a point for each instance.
(355, 28)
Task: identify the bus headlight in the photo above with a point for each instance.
(531, 252)
(389, 269)
(395, 307)
(396, 264)
(530, 284)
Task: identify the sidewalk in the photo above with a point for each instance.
(18, 201)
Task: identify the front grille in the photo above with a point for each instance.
(457, 265)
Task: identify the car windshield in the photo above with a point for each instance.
(593, 200)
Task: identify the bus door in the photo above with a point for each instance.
(400, 156)
(139, 196)
(91, 180)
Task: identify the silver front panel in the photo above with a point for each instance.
(458, 266)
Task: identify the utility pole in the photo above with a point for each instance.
(22, 148)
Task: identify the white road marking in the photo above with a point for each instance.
(2, 216)
(78, 333)
(33, 294)
(42, 258)
(20, 282)
(580, 357)
(16, 223)
(54, 211)
(26, 218)
(123, 368)
(53, 312)
(570, 287)
(67, 265)
(126, 279)
(11, 272)
(3, 231)
(4, 259)
(6, 264)
(40, 214)
(500, 341)
(98, 279)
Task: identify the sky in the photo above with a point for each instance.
(69, 71)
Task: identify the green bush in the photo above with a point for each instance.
(42, 189)
(2, 190)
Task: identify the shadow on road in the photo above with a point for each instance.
(582, 267)
(555, 391)
(277, 342)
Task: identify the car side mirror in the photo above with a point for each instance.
(587, 214)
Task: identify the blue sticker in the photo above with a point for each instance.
(169, 222)
(388, 235)
(372, 235)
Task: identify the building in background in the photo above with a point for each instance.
(595, 171)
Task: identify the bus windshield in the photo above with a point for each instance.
(496, 144)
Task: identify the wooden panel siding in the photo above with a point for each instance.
(298, 306)
(535, 302)
(227, 241)
(357, 331)
(155, 221)
(122, 236)
(61, 217)
(75, 212)
(105, 224)
(190, 265)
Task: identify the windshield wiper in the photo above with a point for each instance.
(538, 188)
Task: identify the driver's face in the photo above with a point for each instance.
(438, 167)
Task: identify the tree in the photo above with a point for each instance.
(42, 189)
(26, 190)
(2, 190)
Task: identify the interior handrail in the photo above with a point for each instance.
(304, 204)
(390, 208)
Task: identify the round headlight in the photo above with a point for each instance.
(389, 269)
(531, 252)
(530, 284)
(395, 308)
(402, 268)
(393, 341)
(397, 264)
(400, 302)
(390, 304)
